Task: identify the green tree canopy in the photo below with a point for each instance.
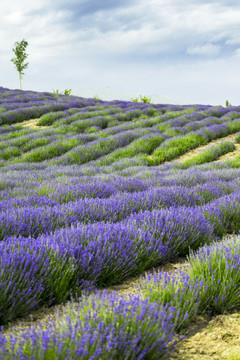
(19, 51)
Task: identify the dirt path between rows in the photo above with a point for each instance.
(218, 339)
(32, 123)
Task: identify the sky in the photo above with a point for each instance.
(174, 51)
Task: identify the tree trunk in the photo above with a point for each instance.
(20, 80)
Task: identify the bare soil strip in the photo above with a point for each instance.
(31, 124)
(218, 339)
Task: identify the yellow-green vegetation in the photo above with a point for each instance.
(210, 154)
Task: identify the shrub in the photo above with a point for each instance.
(144, 99)
(237, 138)
(178, 146)
(49, 119)
(9, 153)
(210, 154)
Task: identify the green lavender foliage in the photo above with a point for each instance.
(176, 147)
(140, 146)
(49, 118)
(237, 138)
(209, 282)
(210, 154)
(49, 151)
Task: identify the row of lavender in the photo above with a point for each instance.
(71, 183)
(65, 228)
(34, 104)
(113, 257)
(105, 326)
(165, 136)
(69, 259)
(17, 106)
(136, 144)
(34, 215)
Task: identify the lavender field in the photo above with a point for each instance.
(95, 193)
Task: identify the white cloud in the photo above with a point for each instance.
(135, 46)
(236, 54)
(205, 50)
(235, 40)
(16, 18)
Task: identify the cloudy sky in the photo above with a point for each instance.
(176, 51)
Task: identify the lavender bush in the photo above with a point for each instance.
(101, 327)
(208, 283)
(210, 154)
(95, 198)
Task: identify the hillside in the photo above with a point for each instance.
(94, 194)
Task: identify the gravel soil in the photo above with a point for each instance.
(217, 339)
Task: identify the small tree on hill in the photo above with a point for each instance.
(19, 51)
